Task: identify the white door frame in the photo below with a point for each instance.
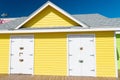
(68, 51)
(10, 51)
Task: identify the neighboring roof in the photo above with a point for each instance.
(116, 21)
(12, 24)
(48, 3)
(98, 21)
(5, 20)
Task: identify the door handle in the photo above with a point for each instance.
(21, 60)
(81, 48)
(21, 48)
(21, 53)
(81, 61)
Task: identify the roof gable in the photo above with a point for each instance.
(54, 7)
(49, 18)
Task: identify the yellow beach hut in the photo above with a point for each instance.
(52, 42)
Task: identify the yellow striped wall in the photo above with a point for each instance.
(51, 54)
(105, 61)
(4, 53)
(50, 17)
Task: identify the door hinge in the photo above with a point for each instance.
(11, 54)
(12, 41)
(92, 70)
(31, 40)
(70, 69)
(30, 54)
(92, 55)
(92, 40)
(30, 68)
(69, 40)
(70, 55)
(11, 68)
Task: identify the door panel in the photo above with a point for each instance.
(81, 52)
(22, 50)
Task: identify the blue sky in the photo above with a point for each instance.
(18, 8)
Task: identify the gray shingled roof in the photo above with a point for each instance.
(92, 20)
(98, 21)
(12, 24)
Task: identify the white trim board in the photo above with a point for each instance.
(48, 3)
(57, 30)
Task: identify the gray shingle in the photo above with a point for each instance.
(98, 21)
(92, 20)
(12, 24)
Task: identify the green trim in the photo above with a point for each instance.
(117, 54)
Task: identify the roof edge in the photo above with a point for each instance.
(58, 30)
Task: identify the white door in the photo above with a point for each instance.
(21, 54)
(81, 55)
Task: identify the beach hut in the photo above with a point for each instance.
(52, 42)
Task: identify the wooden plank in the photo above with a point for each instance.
(42, 77)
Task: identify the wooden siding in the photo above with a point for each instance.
(50, 54)
(118, 49)
(4, 53)
(105, 58)
(38, 77)
(50, 17)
